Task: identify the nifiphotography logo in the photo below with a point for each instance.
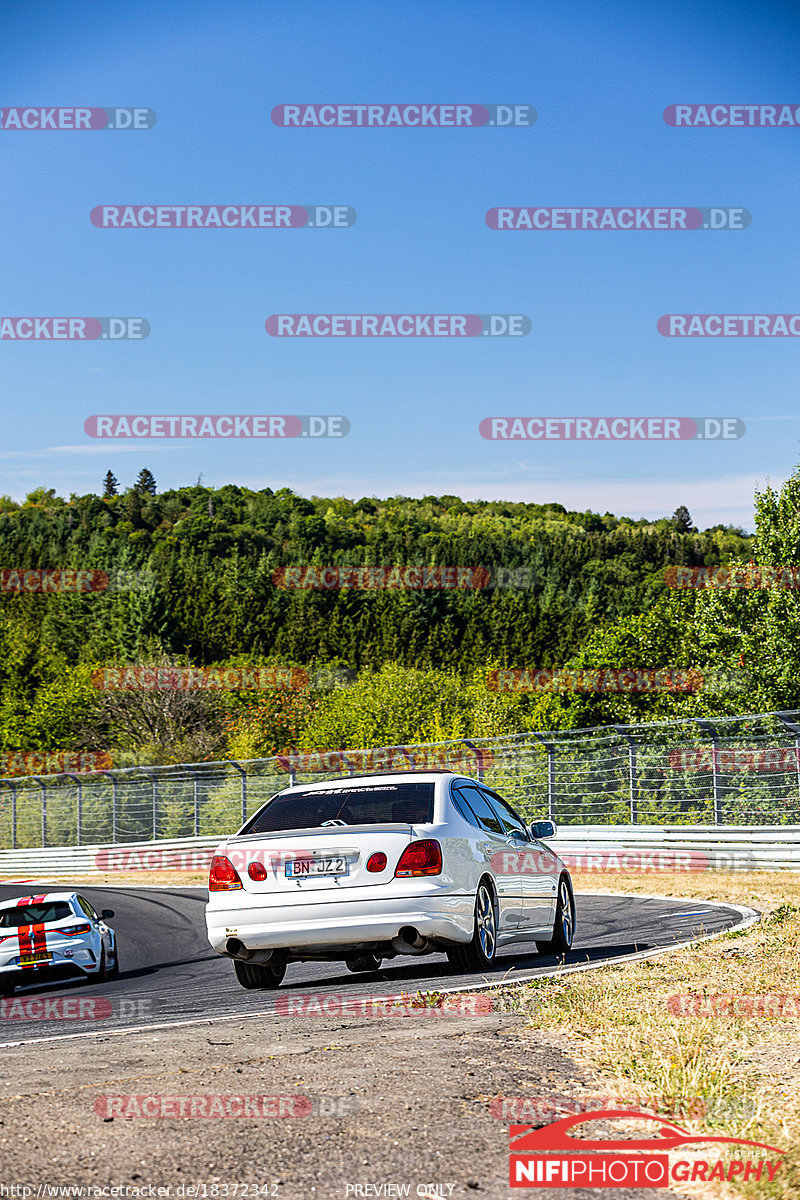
(552, 1157)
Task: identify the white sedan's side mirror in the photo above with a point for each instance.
(543, 829)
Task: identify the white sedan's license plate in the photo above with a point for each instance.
(304, 868)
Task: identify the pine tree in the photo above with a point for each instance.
(682, 520)
(146, 482)
(110, 484)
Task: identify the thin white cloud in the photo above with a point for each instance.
(104, 447)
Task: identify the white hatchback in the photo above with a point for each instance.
(369, 867)
(51, 934)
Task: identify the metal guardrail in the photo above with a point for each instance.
(723, 771)
(652, 849)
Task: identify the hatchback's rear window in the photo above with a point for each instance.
(34, 914)
(409, 803)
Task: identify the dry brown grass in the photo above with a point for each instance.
(175, 878)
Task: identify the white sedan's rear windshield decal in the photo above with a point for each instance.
(408, 803)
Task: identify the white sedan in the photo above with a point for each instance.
(54, 933)
(370, 867)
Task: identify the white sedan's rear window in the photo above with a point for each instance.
(409, 803)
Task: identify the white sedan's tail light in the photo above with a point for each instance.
(420, 858)
(223, 876)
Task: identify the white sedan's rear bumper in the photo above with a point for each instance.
(313, 926)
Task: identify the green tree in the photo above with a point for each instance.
(681, 519)
(110, 484)
(145, 482)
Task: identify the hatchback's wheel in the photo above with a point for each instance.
(113, 970)
(259, 975)
(363, 962)
(101, 974)
(481, 953)
(564, 924)
(6, 989)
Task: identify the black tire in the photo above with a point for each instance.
(101, 975)
(363, 962)
(564, 923)
(481, 953)
(113, 971)
(6, 989)
(259, 975)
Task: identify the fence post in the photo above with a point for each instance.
(154, 778)
(78, 806)
(794, 728)
(551, 774)
(43, 786)
(13, 788)
(711, 730)
(633, 779)
(114, 814)
(243, 773)
(478, 755)
(196, 807)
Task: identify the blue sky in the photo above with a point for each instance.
(599, 76)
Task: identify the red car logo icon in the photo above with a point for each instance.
(556, 1137)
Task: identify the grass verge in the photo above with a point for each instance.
(710, 1033)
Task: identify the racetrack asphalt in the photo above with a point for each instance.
(170, 975)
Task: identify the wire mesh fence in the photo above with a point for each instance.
(733, 771)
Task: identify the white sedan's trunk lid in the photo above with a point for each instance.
(333, 858)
